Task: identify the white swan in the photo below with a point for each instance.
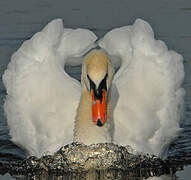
(144, 98)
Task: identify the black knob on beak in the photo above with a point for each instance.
(99, 123)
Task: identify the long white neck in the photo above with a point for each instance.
(85, 130)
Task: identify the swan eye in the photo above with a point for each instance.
(103, 84)
(92, 84)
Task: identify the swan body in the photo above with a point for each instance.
(48, 108)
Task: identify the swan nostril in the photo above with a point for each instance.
(99, 123)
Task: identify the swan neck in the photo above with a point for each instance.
(85, 130)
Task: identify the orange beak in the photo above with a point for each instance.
(99, 109)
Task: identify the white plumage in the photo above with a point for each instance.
(42, 98)
(148, 85)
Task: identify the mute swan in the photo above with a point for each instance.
(143, 101)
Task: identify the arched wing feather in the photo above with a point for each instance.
(147, 88)
(41, 97)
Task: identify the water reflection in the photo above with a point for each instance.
(163, 177)
(184, 175)
(91, 175)
(95, 162)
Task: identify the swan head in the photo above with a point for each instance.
(97, 75)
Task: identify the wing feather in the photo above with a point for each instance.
(147, 88)
(41, 97)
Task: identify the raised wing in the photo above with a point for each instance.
(42, 98)
(147, 88)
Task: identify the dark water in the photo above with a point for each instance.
(170, 20)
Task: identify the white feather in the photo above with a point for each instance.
(42, 98)
(147, 88)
